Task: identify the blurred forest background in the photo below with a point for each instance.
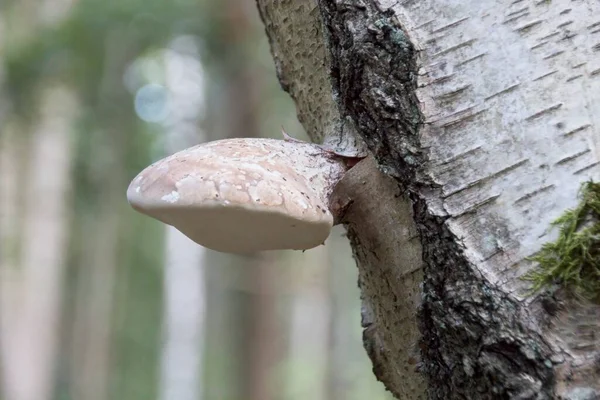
(98, 302)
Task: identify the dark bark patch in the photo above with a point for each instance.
(476, 343)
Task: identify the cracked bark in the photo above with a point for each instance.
(480, 120)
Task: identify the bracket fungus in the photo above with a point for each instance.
(244, 195)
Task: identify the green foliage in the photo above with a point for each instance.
(573, 260)
(78, 50)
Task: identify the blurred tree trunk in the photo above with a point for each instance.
(184, 285)
(35, 166)
(93, 324)
(310, 325)
(482, 118)
(36, 207)
(96, 276)
(183, 319)
(253, 329)
(262, 344)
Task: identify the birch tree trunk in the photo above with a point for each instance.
(482, 121)
(35, 207)
(184, 308)
(31, 266)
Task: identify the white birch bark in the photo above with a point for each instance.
(484, 116)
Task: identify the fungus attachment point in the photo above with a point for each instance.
(243, 195)
(289, 138)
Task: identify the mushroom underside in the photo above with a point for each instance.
(236, 229)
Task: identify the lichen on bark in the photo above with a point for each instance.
(573, 259)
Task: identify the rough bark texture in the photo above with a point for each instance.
(481, 114)
(386, 246)
(296, 37)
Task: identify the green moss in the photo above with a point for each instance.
(573, 260)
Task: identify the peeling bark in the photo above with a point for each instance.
(480, 116)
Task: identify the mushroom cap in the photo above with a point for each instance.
(242, 195)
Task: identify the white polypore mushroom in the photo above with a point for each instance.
(243, 195)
